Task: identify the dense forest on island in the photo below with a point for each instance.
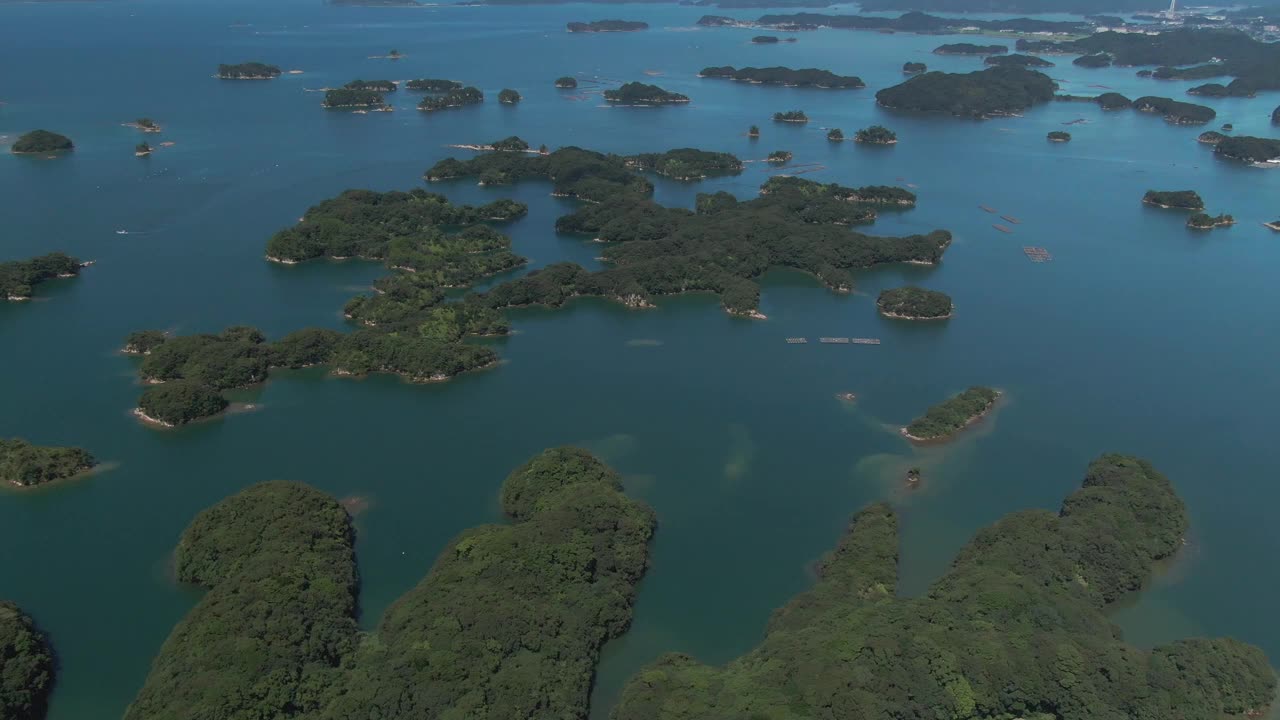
(508, 623)
(914, 303)
(1079, 7)
(1182, 199)
(1017, 60)
(41, 141)
(381, 86)
(876, 135)
(1175, 111)
(26, 465)
(1058, 136)
(913, 68)
(27, 666)
(248, 71)
(1248, 148)
(507, 96)
(980, 94)
(566, 82)
(1205, 221)
(952, 415)
(805, 77)
(433, 85)
(456, 98)
(348, 98)
(970, 49)
(1015, 628)
(791, 116)
(686, 163)
(1113, 101)
(638, 93)
(608, 26)
(1096, 60)
(19, 278)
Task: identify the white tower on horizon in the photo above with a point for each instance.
(1173, 8)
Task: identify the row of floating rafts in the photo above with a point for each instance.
(835, 341)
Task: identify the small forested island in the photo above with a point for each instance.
(765, 39)
(381, 86)
(805, 77)
(18, 278)
(1211, 137)
(26, 465)
(566, 83)
(1249, 149)
(1179, 199)
(986, 93)
(876, 135)
(791, 116)
(142, 150)
(1113, 101)
(1175, 111)
(248, 71)
(345, 98)
(607, 26)
(753, 131)
(638, 93)
(508, 623)
(913, 303)
(1017, 61)
(452, 99)
(970, 49)
(1022, 608)
(507, 96)
(952, 415)
(1059, 136)
(835, 135)
(779, 157)
(913, 68)
(1204, 221)
(27, 666)
(1211, 90)
(146, 125)
(42, 141)
(433, 85)
(1096, 60)
(1275, 116)
(687, 163)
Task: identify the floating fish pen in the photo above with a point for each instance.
(865, 341)
(796, 167)
(797, 341)
(806, 170)
(849, 341)
(1037, 254)
(1011, 219)
(1002, 228)
(834, 341)
(986, 209)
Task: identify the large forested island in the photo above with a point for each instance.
(952, 415)
(1175, 111)
(41, 141)
(26, 465)
(638, 93)
(1015, 628)
(913, 303)
(248, 71)
(26, 666)
(381, 86)
(981, 94)
(508, 623)
(687, 163)
(456, 98)
(607, 26)
(970, 49)
(1081, 7)
(1248, 148)
(19, 278)
(349, 98)
(1180, 199)
(806, 77)
(433, 85)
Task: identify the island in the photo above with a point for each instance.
(913, 303)
(27, 666)
(952, 415)
(248, 71)
(1275, 116)
(1204, 221)
(19, 278)
(146, 125)
(452, 99)
(142, 342)
(912, 22)
(1095, 60)
(913, 68)
(566, 83)
(1026, 600)
(765, 39)
(996, 91)
(753, 132)
(142, 150)
(970, 49)
(432, 85)
(913, 478)
(26, 465)
(42, 141)
(806, 77)
(1059, 136)
(1175, 111)
(638, 93)
(378, 86)
(344, 98)
(835, 135)
(876, 135)
(1210, 137)
(779, 157)
(607, 26)
(686, 163)
(1174, 199)
(1017, 61)
(1273, 225)
(179, 402)
(509, 621)
(791, 116)
(1211, 90)
(1249, 149)
(507, 96)
(1113, 101)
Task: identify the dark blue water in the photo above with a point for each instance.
(1140, 336)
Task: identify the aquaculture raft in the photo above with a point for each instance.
(797, 341)
(1037, 254)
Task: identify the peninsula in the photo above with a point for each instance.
(607, 26)
(1211, 137)
(970, 49)
(19, 278)
(1113, 101)
(876, 135)
(1096, 60)
(1249, 149)
(452, 99)
(791, 116)
(1204, 221)
(26, 465)
(638, 93)
(952, 415)
(41, 141)
(1174, 199)
(248, 71)
(806, 77)
(913, 303)
(27, 666)
(986, 93)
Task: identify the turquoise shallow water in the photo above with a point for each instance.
(1141, 336)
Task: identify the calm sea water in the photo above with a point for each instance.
(1140, 336)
